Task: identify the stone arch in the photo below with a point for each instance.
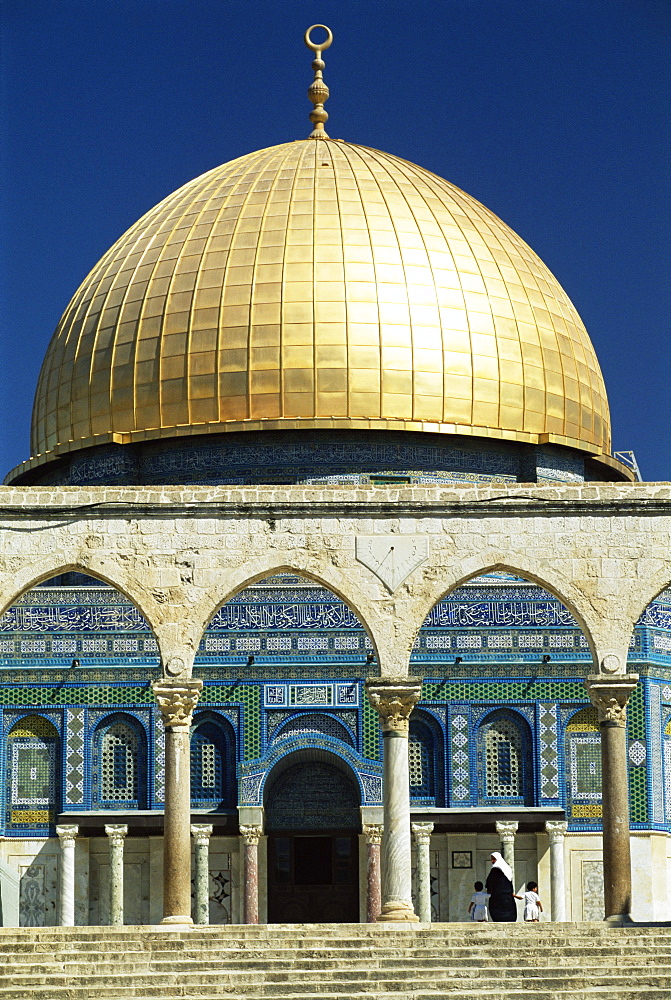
(30, 576)
(119, 748)
(505, 771)
(321, 572)
(515, 569)
(648, 590)
(640, 618)
(332, 802)
(213, 761)
(368, 653)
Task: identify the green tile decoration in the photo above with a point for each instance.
(249, 696)
(371, 731)
(638, 786)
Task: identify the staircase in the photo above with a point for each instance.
(338, 962)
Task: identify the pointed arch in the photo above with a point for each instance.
(562, 589)
(323, 574)
(32, 575)
(279, 626)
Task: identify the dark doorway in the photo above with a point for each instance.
(312, 815)
(313, 880)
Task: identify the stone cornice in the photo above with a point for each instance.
(111, 503)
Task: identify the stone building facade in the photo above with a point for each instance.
(279, 601)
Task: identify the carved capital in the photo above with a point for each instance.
(421, 833)
(394, 700)
(177, 700)
(251, 835)
(201, 833)
(610, 696)
(506, 830)
(116, 833)
(373, 833)
(67, 835)
(556, 830)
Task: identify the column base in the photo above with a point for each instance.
(397, 911)
(618, 920)
(176, 920)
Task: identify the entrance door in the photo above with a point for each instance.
(312, 816)
(312, 878)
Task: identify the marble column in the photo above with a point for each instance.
(66, 886)
(177, 700)
(116, 833)
(201, 833)
(373, 834)
(250, 838)
(609, 695)
(394, 700)
(506, 830)
(556, 831)
(421, 833)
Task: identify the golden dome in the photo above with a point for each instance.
(319, 285)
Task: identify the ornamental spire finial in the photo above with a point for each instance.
(318, 91)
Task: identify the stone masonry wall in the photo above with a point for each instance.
(390, 553)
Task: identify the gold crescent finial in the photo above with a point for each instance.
(318, 91)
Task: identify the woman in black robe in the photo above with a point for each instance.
(502, 906)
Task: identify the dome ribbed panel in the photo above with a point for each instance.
(319, 285)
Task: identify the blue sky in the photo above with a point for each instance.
(554, 113)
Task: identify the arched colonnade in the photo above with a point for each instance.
(179, 554)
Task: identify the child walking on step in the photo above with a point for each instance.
(532, 903)
(478, 904)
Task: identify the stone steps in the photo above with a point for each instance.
(337, 962)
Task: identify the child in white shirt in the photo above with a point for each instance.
(478, 904)
(532, 904)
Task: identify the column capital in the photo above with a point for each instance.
(610, 695)
(116, 832)
(394, 700)
(422, 832)
(506, 829)
(177, 700)
(201, 832)
(373, 832)
(556, 829)
(67, 833)
(251, 835)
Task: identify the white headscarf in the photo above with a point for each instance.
(502, 865)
